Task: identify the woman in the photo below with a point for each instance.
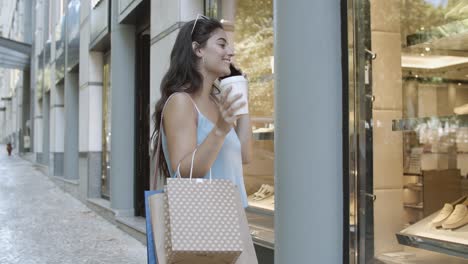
(9, 148)
(193, 117)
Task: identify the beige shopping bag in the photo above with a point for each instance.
(156, 203)
(203, 221)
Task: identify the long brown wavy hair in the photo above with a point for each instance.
(182, 75)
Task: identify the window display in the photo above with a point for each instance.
(264, 198)
(408, 94)
(253, 44)
(249, 26)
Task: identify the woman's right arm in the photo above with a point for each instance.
(180, 127)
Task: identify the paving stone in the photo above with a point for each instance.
(39, 223)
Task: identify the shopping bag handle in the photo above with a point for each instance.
(191, 167)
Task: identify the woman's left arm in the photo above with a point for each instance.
(244, 132)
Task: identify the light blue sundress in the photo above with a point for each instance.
(228, 164)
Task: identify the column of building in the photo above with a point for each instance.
(123, 114)
(57, 108)
(308, 132)
(90, 110)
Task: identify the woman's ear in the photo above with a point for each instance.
(197, 49)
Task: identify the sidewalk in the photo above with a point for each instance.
(42, 224)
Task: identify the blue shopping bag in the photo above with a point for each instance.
(152, 257)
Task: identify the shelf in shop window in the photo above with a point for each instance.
(414, 187)
(435, 152)
(414, 206)
(423, 235)
(262, 119)
(262, 237)
(263, 135)
(260, 210)
(261, 228)
(410, 124)
(412, 174)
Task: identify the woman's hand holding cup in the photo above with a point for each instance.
(228, 106)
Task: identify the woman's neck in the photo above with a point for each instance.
(207, 86)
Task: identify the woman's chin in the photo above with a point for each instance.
(225, 73)
(221, 71)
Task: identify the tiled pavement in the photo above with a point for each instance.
(39, 223)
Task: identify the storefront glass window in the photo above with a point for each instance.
(106, 129)
(249, 25)
(408, 131)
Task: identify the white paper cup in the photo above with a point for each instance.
(239, 86)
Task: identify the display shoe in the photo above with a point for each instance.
(262, 189)
(267, 192)
(442, 216)
(458, 218)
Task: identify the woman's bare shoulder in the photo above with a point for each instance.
(180, 107)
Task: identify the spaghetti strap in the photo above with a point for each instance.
(186, 94)
(158, 148)
(191, 99)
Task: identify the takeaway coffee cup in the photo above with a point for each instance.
(239, 86)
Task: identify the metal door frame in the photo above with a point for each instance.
(359, 137)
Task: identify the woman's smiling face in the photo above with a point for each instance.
(217, 54)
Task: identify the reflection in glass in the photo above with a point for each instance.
(212, 8)
(249, 26)
(253, 38)
(106, 130)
